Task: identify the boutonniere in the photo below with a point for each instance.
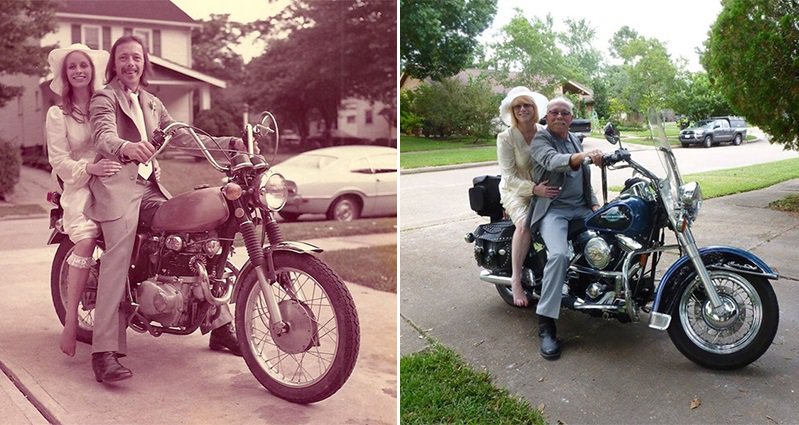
(152, 107)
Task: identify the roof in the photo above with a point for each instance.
(187, 72)
(144, 10)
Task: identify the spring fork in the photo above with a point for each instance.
(266, 276)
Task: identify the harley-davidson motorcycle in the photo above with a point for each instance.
(716, 302)
(295, 319)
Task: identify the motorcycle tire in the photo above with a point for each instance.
(725, 343)
(58, 291)
(323, 335)
(507, 295)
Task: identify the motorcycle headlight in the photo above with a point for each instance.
(597, 253)
(271, 191)
(691, 199)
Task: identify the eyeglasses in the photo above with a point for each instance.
(523, 105)
(559, 113)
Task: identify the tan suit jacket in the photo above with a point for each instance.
(113, 125)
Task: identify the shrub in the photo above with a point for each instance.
(10, 163)
(451, 108)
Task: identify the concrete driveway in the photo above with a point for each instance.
(609, 372)
(177, 379)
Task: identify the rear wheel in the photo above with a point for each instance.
(506, 293)
(731, 339)
(315, 356)
(737, 141)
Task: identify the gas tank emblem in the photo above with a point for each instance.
(613, 215)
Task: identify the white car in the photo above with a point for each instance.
(342, 182)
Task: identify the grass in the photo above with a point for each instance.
(743, 179)
(376, 267)
(439, 387)
(303, 230)
(416, 152)
(789, 203)
(415, 144)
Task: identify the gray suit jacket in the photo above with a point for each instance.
(551, 162)
(112, 125)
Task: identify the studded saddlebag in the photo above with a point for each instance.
(492, 244)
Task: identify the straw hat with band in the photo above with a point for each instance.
(57, 57)
(505, 112)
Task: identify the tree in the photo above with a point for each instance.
(753, 59)
(581, 55)
(451, 108)
(696, 98)
(438, 37)
(21, 21)
(323, 53)
(530, 46)
(650, 74)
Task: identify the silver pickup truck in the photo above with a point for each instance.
(714, 131)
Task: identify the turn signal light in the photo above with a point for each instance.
(232, 191)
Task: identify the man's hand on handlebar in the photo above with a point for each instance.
(138, 151)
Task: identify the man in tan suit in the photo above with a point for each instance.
(122, 116)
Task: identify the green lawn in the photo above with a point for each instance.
(743, 179)
(438, 387)
(375, 267)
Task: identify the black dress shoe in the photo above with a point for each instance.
(107, 368)
(224, 337)
(547, 335)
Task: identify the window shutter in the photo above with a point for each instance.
(76, 33)
(106, 38)
(157, 42)
(127, 31)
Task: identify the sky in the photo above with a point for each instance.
(682, 25)
(243, 11)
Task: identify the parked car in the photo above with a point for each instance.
(342, 182)
(715, 131)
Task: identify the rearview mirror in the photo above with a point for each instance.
(611, 133)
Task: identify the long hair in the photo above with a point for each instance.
(68, 94)
(111, 69)
(528, 100)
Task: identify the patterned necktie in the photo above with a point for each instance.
(138, 117)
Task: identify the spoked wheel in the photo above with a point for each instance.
(315, 354)
(732, 337)
(58, 289)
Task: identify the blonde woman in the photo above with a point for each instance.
(71, 153)
(521, 110)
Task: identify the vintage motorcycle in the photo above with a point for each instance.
(716, 302)
(295, 319)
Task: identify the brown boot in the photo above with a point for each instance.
(107, 368)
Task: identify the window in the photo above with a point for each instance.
(361, 165)
(91, 36)
(384, 163)
(145, 36)
(351, 119)
(368, 116)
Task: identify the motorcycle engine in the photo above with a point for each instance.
(162, 302)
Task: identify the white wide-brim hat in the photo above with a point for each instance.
(504, 108)
(56, 59)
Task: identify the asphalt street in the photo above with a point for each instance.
(177, 379)
(609, 372)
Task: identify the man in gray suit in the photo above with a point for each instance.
(558, 157)
(122, 116)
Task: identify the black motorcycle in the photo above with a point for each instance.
(716, 302)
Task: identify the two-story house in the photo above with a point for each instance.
(163, 26)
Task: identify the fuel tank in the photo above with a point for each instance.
(630, 216)
(195, 211)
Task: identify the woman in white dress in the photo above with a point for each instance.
(520, 110)
(71, 153)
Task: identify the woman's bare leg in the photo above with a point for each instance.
(520, 244)
(76, 282)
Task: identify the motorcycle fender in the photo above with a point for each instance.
(681, 273)
(291, 246)
(56, 237)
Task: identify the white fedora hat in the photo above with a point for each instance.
(56, 59)
(504, 108)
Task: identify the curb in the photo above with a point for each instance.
(446, 167)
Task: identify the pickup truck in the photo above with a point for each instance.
(714, 131)
(580, 127)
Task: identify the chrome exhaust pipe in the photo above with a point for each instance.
(205, 286)
(486, 276)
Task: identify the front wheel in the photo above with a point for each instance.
(59, 274)
(315, 355)
(708, 142)
(734, 338)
